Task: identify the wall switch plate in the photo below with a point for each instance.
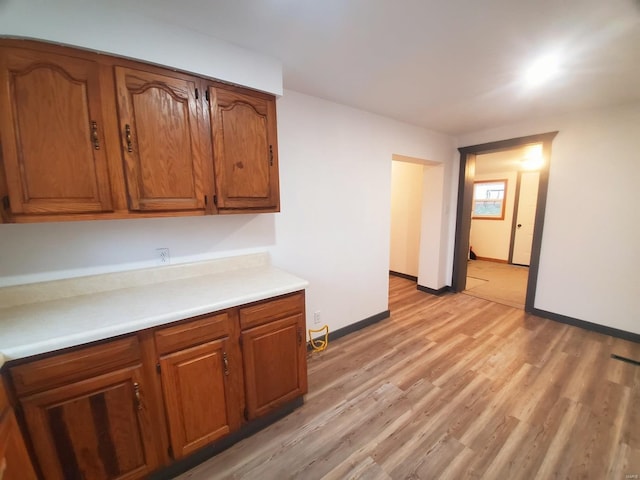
(162, 255)
(316, 317)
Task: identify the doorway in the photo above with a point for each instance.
(470, 158)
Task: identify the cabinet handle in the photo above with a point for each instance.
(127, 134)
(299, 336)
(136, 392)
(226, 363)
(94, 135)
(271, 155)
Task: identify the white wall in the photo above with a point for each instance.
(406, 216)
(590, 256)
(491, 238)
(112, 27)
(333, 230)
(434, 270)
(336, 201)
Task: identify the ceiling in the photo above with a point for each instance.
(500, 162)
(453, 66)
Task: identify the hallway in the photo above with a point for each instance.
(498, 282)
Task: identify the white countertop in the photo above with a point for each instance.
(43, 326)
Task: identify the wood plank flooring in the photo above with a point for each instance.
(454, 387)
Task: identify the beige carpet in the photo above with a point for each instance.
(498, 282)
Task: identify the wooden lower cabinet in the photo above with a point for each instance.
(274, 355)
(15, 463)
(109, 411)
(92, 429)
(194, 382)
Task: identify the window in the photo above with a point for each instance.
(488, 199)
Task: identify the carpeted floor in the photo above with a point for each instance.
(499, 282)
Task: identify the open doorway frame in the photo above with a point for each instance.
(465, 202)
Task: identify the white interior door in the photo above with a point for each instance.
(527, 202)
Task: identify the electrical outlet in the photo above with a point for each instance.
(162, 255)
(316, 317)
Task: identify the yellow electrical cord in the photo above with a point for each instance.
(319, 344)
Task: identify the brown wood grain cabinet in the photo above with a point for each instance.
(89, 422)
(52, 128)
(91, 136)
(15, 463)
(200, 369)
(245, 149)
(158, 117)
(274, 354)
(126, 407)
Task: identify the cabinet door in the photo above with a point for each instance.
(15, 463)
(92, 429)
(158, 118)
(52, 133)
(275, 364)
(196, 395)
(245, 150)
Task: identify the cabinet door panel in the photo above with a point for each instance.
(52, 133)
(13, 453)
(274, 364)
(91, 429)
(245, 150)
(160, 138)
(194, 382)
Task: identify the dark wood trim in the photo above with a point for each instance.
(594, 327)
(354, 327)
(403, 275)
(463, 220)
(433, 291)
(536, 244)
(183, 465)
(465, 199)
(341, 332)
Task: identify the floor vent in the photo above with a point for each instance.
(625, 359)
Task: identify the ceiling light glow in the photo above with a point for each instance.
(533, 159)
(542, 70)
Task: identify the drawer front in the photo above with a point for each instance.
(270, 310)
(76, 365)
(193, 332)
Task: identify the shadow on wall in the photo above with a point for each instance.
(37, 252)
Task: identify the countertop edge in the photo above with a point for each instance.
(285, 283)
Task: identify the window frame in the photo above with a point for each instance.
(502, 201)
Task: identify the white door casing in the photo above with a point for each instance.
(527, 201)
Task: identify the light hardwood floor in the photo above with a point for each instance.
(454, 387)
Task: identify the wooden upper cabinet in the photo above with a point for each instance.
(89, 136)
(51, 127)
(245, 150)
(159, 121)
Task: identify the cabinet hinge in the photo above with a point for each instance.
(215, 200)
(158, 367)
(205, 200)
(197, 94)
(6, 203)
(206, 94)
